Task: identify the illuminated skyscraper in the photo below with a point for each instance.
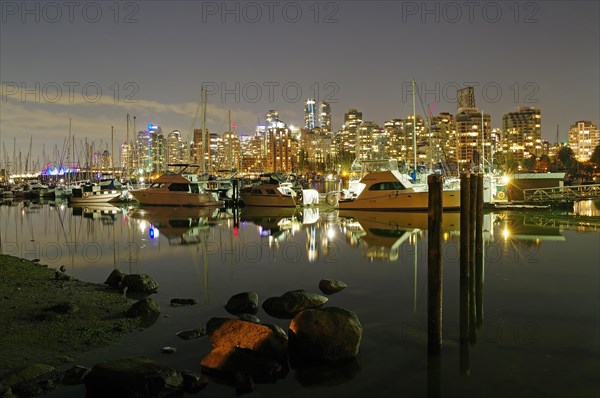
(325, 117)
(310, 114)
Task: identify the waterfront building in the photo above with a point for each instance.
(583, 138)
(522, 132)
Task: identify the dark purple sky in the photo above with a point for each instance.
(274, 54)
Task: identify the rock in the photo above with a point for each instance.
(261, 339)
(230, 360)
(132, 377)
(26, 374)
(327, 334)
(75, 375)
(178, 302)
(63, 308)
(249, 318)
(144, 308)
(168, 350)
(329, 286)
(193, 382)
(292, 303)
(243, 382)
(191, 334)
(245, 346)
(5, 392)
(62, 268)
(35, 260)
(115, 279)
(59, 276)
(241, 303)
(141, 283)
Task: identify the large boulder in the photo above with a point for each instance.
(140, 283)
(327, 334)
(241, 346)
(132, 377)
(243, 303)
(292, 302)
(261, 339)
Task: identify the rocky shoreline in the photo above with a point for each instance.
(48, 317)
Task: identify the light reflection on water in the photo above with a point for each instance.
(536, 335)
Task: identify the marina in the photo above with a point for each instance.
(212, 254)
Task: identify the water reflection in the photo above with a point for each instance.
(383, 233)
(178, 225)
(215, 255)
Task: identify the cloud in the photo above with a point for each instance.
(24, 115)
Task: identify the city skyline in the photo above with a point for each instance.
(154, 59)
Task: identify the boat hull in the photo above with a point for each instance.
(174, 198)
(398, 200)
(96, 197)
(267, 200)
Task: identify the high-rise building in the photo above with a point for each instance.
(347, 137)
(470, 142)
(229, 152)
(371, 141)
(150, 150)
(310, 114)
(583, 139)
(176, 149)
(443, 138)
(522, 132)
(201, 147)
(325, 117)
(465, 98)
(396, 139)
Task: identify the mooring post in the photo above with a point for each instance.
(479, 255)
(434, 264)
(434, 284)
(465, 245)
(472, 236)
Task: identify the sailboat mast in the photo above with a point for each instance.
(230, 142)
(414, 132)
(203, 131)
(112, 148)
(128, 158)
(482, 157)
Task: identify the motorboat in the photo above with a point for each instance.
(106, 190)
(388, 190)
(180, 188)
(275, 190)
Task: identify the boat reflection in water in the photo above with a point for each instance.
(97, 211)
(382, 233)
(179, 225)
(276, 223)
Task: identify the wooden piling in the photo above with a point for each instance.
(472, 236)
(434, 264)
(434, 285)
(465, 213)
(479, 255)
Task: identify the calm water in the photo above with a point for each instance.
(536, 332)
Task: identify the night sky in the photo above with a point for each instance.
(150, 59)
